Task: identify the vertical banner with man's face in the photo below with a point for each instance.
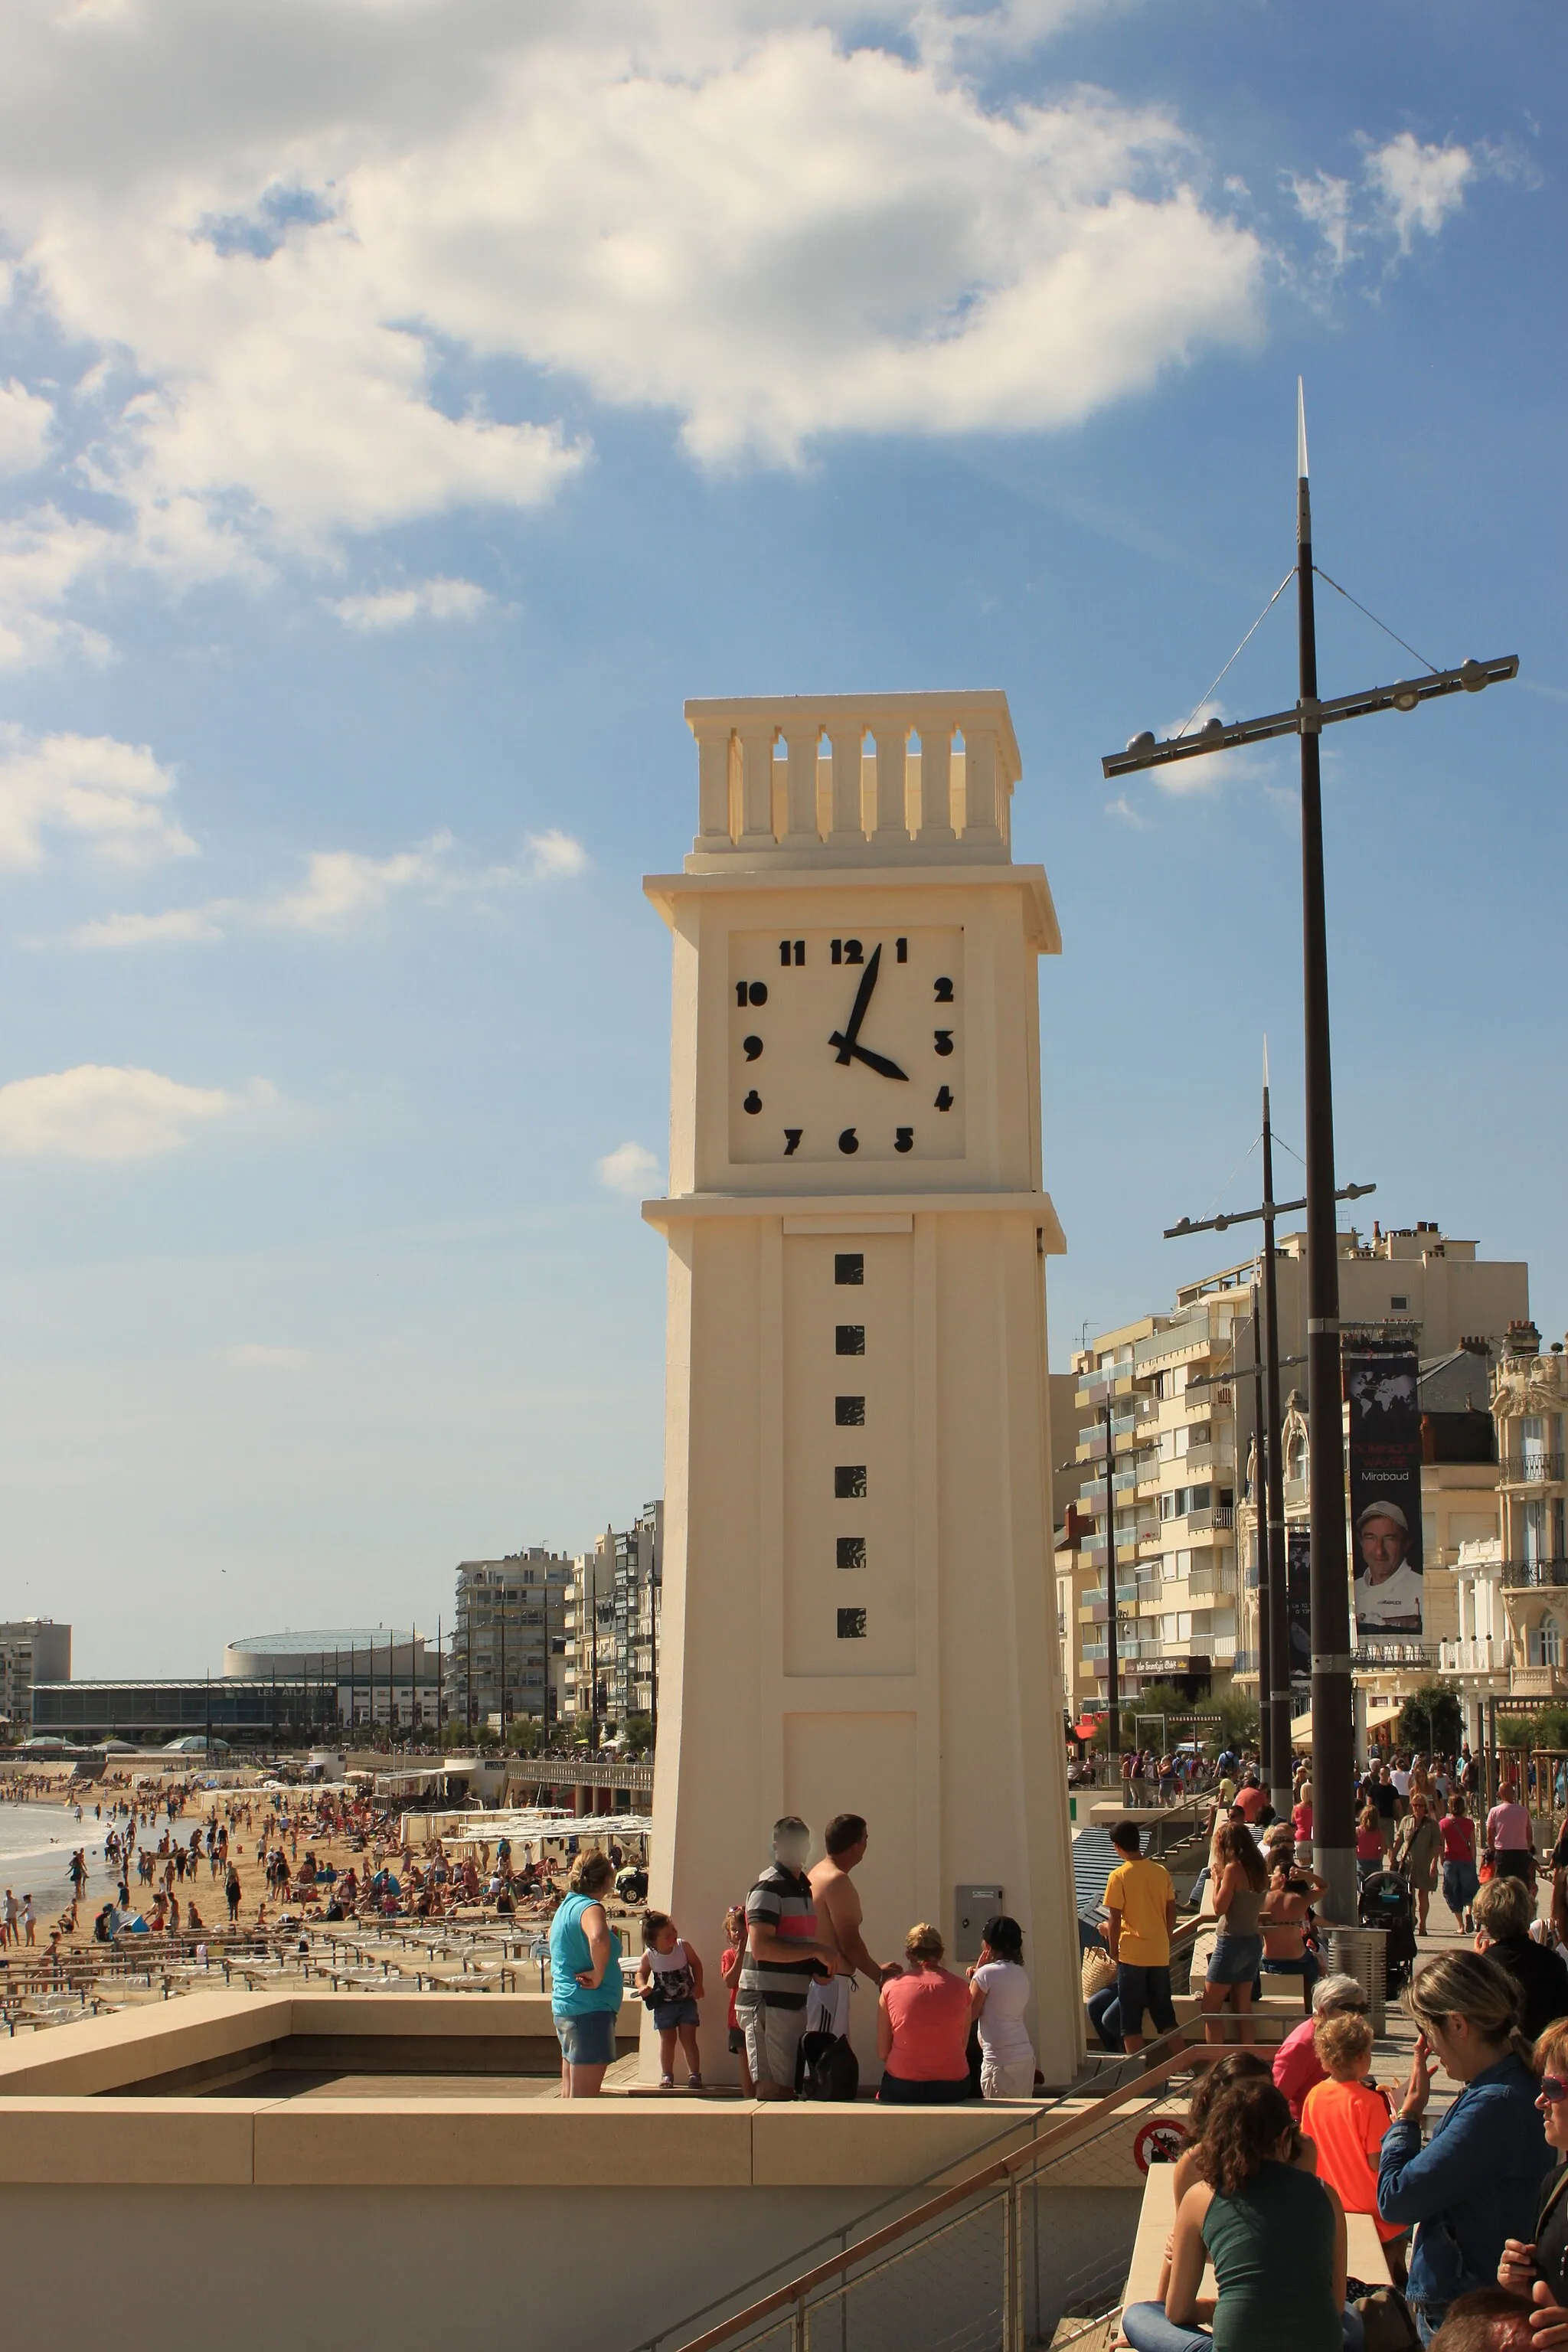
(1386, 1488)
(1298, 1600)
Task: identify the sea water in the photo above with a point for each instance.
(37, 1842)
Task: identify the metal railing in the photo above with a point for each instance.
(1535, 1571)
(1532, 1469)
(964, 2270)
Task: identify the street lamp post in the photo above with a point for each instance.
(1332, 1713)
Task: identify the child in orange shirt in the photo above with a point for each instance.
(1346, 2116)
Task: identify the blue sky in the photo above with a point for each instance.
(407, 403)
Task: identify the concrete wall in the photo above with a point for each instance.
(490, 2268)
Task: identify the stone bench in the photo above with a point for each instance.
(1367, 2259)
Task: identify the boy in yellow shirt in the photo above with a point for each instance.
(1141, 1902)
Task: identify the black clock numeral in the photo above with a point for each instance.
(752, 1103)
(847, 951)
(792, 951)
(753, 1048)
(792, 1140)
(751, 992)
(904, 1140)
(848, 1141)
(902, 950)
(943, 990)
(945, 1098)
(944, 1040)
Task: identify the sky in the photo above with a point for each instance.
(404, 404)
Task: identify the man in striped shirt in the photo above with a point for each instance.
(783, 1957)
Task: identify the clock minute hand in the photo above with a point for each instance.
(845, 1039)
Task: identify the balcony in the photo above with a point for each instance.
(1532, 1469)
(1527, 1572)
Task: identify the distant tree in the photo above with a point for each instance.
(1237, 1712)
(638, 1734)
(1431, 1721)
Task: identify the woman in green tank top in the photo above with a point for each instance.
(1274, 2235)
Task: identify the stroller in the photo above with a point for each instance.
(1387, 1902)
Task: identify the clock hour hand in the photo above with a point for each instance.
(878, 1062)
(845, 1039)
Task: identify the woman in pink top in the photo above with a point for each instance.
(922, 2029)
(1510, 1837)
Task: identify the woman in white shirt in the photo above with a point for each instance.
(998, 1995)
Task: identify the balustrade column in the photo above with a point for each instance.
(892, 772)
(936, 786)
(715, 750)
(800, 742)
(849, 825)
(756, 741)
(980, 785)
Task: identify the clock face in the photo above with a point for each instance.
(847, 1047)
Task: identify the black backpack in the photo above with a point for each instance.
(829, 2068)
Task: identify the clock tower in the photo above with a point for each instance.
(859, 1589)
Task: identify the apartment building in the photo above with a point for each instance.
(1169, 1515)
(32, 1650)
(506, 1656)
(613, 1623)
(1184, 1423)
(1508, 1637)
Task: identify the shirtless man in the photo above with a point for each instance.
(838, 1923)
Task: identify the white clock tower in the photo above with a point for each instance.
(858, 1594)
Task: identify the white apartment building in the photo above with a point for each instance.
(1509, 1636)
(1183, 1395)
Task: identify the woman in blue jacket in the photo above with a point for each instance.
(1478, 2180)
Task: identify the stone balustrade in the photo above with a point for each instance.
(877, 779)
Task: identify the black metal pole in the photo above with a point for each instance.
(1279, 1787)
(504, 1662)
(1265, 1594)
(1112, 1651)
(1333, 1785)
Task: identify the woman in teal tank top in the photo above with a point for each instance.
(1274, 2235)
(585, 1983)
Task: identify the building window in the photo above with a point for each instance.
(851, 1625)
(1399, 1303)
(1546, 1642)
(849, 1266)
(849, 1482)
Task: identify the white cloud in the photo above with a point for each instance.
(731, 213)
(1324, 202)
(1404, 187)
(630, 1168)
(111, 794)
(97, 1113)
(1208, 772)
(1418, 186)
(554, 857)
(174, 925)
(393, 608)
(256, 1356)
(342, 883)
(25, 423)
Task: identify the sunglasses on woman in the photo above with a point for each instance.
(1554, 2088)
